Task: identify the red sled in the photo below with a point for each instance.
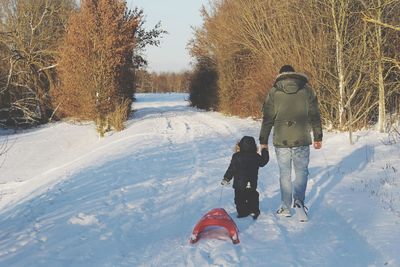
(216, 217)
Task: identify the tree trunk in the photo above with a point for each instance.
(341, 85)
(381, 84)
(350, 125)
(337, 22)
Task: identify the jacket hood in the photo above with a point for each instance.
(291, 82)
(248, 144)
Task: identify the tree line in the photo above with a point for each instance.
(162, 82)
(350, 49)
(60, 59)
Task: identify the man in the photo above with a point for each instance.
(291, 107)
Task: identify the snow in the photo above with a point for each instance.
(132, 198)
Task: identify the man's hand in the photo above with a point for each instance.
(264, 146)
(317, 144)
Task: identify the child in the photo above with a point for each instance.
(244, 170)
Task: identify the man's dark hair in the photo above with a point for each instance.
(286, 68)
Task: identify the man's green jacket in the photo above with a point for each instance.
(291, 107)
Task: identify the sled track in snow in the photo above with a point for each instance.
(190, 128)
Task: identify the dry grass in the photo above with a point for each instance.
(120, 115)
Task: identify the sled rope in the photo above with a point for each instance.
(220, 196)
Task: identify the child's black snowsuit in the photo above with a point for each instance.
(244, 169)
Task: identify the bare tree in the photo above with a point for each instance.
(30, 33)
(381, 13)
(330, 40)
(162, 82)
(3, 148)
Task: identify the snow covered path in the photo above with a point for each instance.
(133, 198)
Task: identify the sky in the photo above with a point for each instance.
(177, 18)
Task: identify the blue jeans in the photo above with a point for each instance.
(299, 157)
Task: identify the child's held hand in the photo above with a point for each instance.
(224, 182)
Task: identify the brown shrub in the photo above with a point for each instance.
(95, 62)
(120, 115)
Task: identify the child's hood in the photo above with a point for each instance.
(248, 144)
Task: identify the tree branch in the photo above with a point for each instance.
(371, 20)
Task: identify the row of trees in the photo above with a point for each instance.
(63, 60)
(350, 49)
(162, 82)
